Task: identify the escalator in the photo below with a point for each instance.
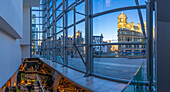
(36, 76)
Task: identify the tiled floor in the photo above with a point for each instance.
(92, 83)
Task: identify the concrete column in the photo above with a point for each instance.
(56, 82)
(163, 45)
(25, 41)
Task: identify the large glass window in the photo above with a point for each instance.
(107, 36)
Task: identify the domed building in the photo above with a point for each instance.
(128, 32)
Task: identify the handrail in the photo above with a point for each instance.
(40, 83)
(145, 82)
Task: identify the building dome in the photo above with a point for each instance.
(122, 15)
(122, 20)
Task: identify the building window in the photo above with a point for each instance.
(143, 46)
(128, 38)
(134, 46)
(120, 33)
(130, 46)
(120, 38)
(126, 33)
(121, 19)
(129, 33)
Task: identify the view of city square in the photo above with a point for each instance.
(118, 61)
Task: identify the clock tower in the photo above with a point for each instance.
(122, 20)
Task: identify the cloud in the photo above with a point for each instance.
(108, 3)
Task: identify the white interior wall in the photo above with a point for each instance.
(10, 57)
(10, 50)
(12, 12)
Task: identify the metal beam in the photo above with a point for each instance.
(54, 29)
(65, 32)
(88, 37)
(141, 19)
(150, 43)
(79, 54)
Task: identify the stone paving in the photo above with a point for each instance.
(122, 68)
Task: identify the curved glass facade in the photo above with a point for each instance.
(106, 38)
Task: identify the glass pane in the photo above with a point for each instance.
(70, 18)
(59, 29)
(36, 20)
(36, 28)
(58, 2)
(50, 31)
(118, 27)
(135, 85)
(74, 59)
(37, 13)
(51, 43)
(59, 10)
(59, 39)
(51, 54)
(118, 61)
(80, 33)
(70, 2)
(70, 33)
(50, 3)
(104, 5)
(36, 48)
(80, 9)
(59, 23)
(59, 54)
(50, 11)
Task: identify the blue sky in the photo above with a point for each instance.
(105, 24)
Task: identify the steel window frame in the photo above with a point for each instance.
(89, 16)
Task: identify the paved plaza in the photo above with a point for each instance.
(122, 68)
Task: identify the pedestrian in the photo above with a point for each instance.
(7, 89)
